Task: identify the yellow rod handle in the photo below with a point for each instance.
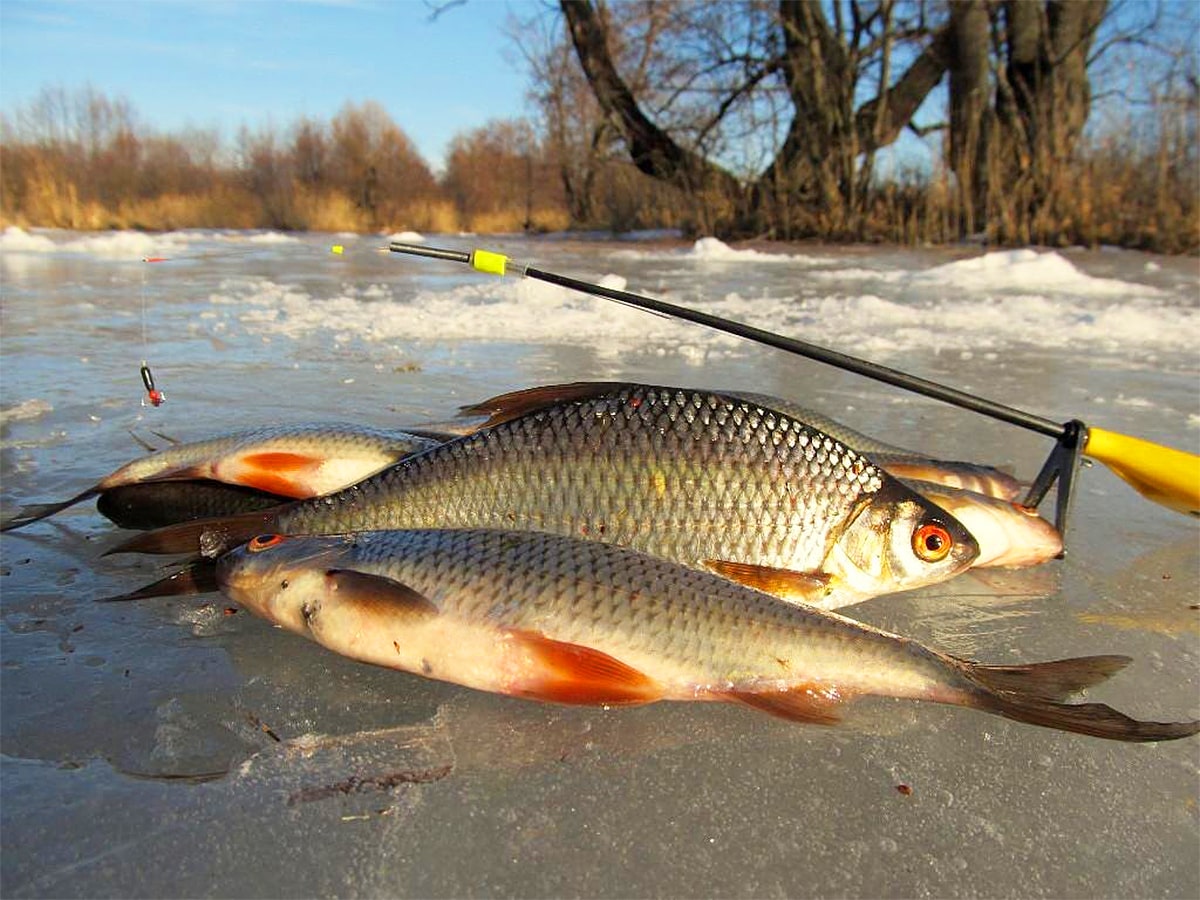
(1165, 475)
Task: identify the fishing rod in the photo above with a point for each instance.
(1165, 475)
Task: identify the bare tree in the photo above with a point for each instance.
(1020, 95)
(724, 73)
(376, 165)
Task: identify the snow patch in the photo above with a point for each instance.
(133, 246)
(1026, 270)
(272, 237)
(28, 409)
(18, 240)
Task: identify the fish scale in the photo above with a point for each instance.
(782, 515)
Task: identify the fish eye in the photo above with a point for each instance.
(932, 542)
(263, 541)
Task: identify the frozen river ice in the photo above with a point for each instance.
(172, 748)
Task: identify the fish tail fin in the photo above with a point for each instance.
(209, 537)
(1055, 680)
(199, 576)
(1095, 719)
(37, 511)
(1034, 694)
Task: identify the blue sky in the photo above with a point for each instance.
(214, 63)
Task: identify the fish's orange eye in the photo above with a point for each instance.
(263, 541)
(932, 542)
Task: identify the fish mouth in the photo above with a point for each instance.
(1008, 535)
(266, 559)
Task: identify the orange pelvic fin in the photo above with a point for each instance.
(786, 584)
(563, 672)
(800, 703)
(278, 472)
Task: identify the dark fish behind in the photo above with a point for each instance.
(560, 619)
(1008, 534)
(693, 476)
(155, 504)
(302, 460)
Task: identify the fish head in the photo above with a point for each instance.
(275, 575)
(896, 542)
(1008, 534)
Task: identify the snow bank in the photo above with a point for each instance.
(115, 245)
(520, 310)
(1023, 270)
(407, 237)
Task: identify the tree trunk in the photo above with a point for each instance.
(1042, 104)
(969, 102)
(652, 150)
(811, 186)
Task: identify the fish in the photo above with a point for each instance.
(897, 461)
(1009, 535)
(693, 476)
(301, 460)
(573, 621)
(155, 504)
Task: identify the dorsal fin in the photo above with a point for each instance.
(211, 537)
(514, 404)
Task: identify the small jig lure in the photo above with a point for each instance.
(154, 396)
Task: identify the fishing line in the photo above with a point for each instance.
(153, 395)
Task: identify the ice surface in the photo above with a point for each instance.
(990, 307)
(26, 409)
(182, 748)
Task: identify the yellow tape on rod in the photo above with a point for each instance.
(489, 262)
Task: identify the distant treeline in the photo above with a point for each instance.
(79, 159)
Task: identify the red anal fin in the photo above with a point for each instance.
(379, 593)
(786, 584)
(506, 407)
(279, 472)
(815, 703)
(563, 672)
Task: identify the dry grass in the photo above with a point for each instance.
(1119, 191)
